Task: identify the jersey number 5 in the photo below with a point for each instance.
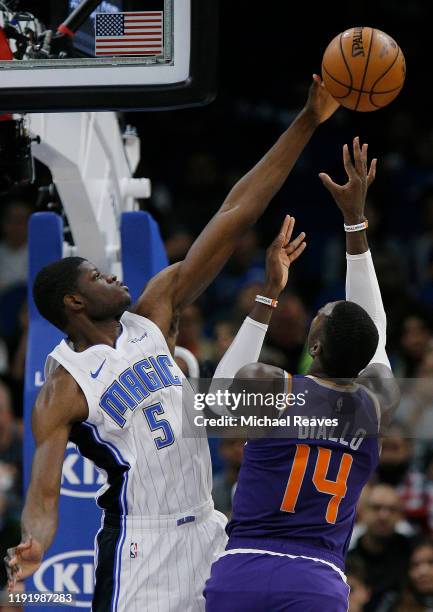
(336, 488)
(151, 413)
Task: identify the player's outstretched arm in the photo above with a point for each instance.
(59, 405)
(247, 345)
(244, 204)
(362, 286)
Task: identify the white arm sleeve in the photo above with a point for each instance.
(363, 289)
(244, 349)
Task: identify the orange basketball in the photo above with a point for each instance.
(363, 69)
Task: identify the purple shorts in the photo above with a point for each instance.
(257, 582)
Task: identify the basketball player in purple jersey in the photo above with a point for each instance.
(294, 506)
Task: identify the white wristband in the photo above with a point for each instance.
(267, 301)
(359, 227)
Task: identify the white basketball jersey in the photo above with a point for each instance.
(137, 432)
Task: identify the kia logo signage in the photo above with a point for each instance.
(69, 572)
(80, 478)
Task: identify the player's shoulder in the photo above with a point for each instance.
(59, 380)
(259, 371)
(378, 379)
(141, 325)
(62, 393)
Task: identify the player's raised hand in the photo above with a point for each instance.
(320, 104)
(280, 255)
(350, 197)
(22, 560)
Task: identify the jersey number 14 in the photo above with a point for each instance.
(336, 488)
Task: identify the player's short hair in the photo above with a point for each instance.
(349, 340)
(51, 285)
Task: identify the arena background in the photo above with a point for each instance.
(267, 54)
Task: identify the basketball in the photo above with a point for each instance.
(363, 69)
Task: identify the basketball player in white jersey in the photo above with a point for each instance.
(113, 388)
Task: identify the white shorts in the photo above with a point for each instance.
(157, 564)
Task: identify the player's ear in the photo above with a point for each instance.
(73, 302)
(315, 349)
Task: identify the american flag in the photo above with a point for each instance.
(137, 33)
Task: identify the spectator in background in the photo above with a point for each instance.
(10, 440)
(10, 451)
(428, 471)
(399, 303)
(396, 468)
(13, 244)
(359, 591)
(425, 291)
(224, 333)
(383, 551)
(244, 269)
(423, 244)
(334, 260)
(18, 362)
(13, 272)
(178, 244)
(4, 357)
(246, 296)
(418, 595)
(10, 533)
(288, 329)
(415, 338)
(416, 406)
(198, 189)
(231, 451)
(191, 333)
(359, 526)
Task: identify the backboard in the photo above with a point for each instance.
(109, 55)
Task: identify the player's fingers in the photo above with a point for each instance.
(285, 227)
(329, 183)
(8, 568)
(12, 580)
(364, 153)
(280, 240)
(372, 172)
(295, 243)
(12, 569)
(357, 156)
(11, 556)
(11, 561)
(313, 89)
(301, 248)
(14, 576)
(24, 545)
(289, 231)
(348, 166)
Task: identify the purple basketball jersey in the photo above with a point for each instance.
(298, 494)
